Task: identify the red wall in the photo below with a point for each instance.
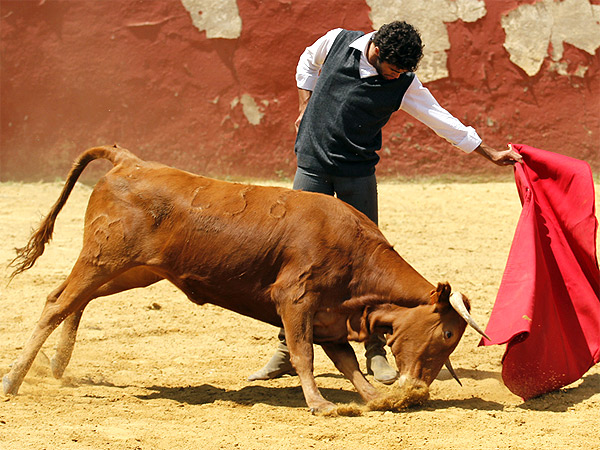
(76, 74)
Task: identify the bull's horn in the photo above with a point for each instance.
(458, 303)
(452, 372)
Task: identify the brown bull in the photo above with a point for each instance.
(305, 261)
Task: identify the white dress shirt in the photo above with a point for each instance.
(417, 101)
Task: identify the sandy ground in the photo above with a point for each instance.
(153, 371)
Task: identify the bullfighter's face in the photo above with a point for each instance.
(387, 70)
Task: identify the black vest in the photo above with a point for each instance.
(340, 131)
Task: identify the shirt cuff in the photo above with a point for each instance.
(470, 142)
(306, 82)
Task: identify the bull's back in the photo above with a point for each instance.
(167, 201)
(223, 243)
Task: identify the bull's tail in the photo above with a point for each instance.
(27, 255)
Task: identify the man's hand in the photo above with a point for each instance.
(499, 157)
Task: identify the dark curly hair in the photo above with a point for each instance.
(399, 45)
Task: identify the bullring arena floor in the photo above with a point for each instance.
(153, 371)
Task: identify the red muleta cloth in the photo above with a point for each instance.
(548, 306)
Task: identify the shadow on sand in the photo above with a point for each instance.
(292, 397)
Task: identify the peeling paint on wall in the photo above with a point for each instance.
(429, 18)
(530, 29)
(220, 18)
(252, 111)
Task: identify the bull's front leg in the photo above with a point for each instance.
(345, 361)
(299, 336)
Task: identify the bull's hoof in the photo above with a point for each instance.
(9, 387)
(58, 367)
(326, 408)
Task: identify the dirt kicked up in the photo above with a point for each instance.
(151, 370)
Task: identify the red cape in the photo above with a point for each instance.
(548, 306)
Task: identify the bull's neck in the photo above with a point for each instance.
(391, 278)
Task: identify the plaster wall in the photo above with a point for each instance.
(208, 85)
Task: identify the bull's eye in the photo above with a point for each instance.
(448, 334)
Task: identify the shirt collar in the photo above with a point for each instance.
(365, 69)
(362, 42)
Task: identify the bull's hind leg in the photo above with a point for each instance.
(73, 294)
(57, 363)
(66, 343)
(134, 278)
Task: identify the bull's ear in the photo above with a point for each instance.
(441, 294)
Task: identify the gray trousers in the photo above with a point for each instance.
(360, 192)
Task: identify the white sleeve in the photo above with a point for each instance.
(420, 103)
(311, 60)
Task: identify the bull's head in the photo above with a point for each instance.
(423, 337)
